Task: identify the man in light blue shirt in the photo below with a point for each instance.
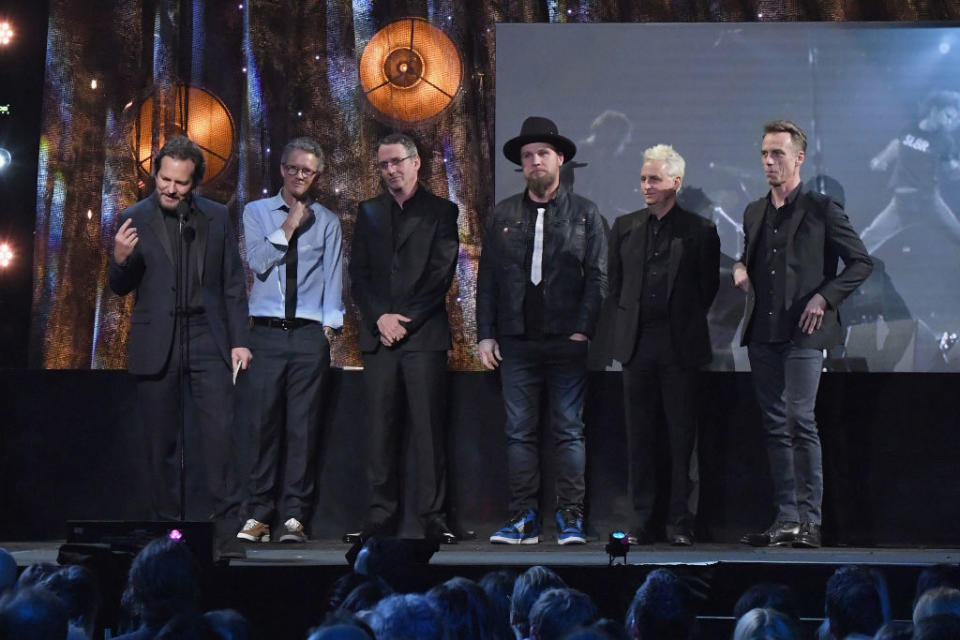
(294, 250)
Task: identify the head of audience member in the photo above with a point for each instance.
(397, 562)
(557, 611)
(853, 605)
(366, 596)
(409, 616)
(35, 574)
(32, 613)
(177, 169)
(944, 626)
(661, 609)
(768, 595)
(463, 606)
(937, 601)
(8, 571)
(894, 630)
(342, 625)
(612, 629)
(162, 582)
(498, 585)
(765, 624)
(228, 624)
(588, 633)
(187, 626)
(526, 589)
(939, 575)
(301, 164)
(77, 589)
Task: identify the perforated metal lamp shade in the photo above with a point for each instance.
(201, 116)
(410, 70)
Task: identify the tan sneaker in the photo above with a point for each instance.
(293, 531)
(255, 531)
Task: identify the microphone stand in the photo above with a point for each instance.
(185, 237)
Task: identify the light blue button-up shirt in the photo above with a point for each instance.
(319, 262)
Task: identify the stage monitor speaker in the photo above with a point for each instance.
(130, 536)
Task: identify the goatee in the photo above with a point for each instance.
(541, 185)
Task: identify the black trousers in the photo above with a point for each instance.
(209, 382)
(285, 388)
(655, 379)
(421, 378)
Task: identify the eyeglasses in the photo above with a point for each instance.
(293, 170)
(392, 164)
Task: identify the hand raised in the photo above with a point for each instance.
(124, 242)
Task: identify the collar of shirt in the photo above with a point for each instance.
(531, 206)
(788, 201)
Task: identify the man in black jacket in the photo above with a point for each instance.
(664, 274)
(207, 310)
(405, 247)
(540, 285)
(792, 240)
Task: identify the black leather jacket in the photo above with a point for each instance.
(574, 268)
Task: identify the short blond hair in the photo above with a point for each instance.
(673, 162)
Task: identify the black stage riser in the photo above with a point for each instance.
(71, 448)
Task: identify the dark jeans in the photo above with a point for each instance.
(285, 386)
(786, 379)
(420, 377)
(560, 364)
(654, 378)
(208, 381)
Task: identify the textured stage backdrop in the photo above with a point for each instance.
(244, 77)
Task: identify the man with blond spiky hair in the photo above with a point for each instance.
(664, 272)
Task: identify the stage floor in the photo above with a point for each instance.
(482, 554)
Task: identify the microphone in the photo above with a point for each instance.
(183, 213)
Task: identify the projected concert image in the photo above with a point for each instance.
(880, 105)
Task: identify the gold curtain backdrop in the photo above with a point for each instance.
(243, 78)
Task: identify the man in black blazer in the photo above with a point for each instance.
(664, 273)
(210, 306)
(405, 247)
(792, 240)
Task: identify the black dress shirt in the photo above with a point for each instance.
(192, 281)
(656, 264)
(771, 322)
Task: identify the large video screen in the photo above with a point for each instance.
(881, 109)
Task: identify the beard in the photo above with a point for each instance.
(541, 184)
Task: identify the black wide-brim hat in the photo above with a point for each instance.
(539, 129)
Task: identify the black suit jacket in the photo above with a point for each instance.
(151, 273)
(819, 232)
(692, 282)
(411, 279)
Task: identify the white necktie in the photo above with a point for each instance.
(536, 264)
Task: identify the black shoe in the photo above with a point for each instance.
(438, 531)
(809, 536)
(681, 538)
(369, 530)
(779, 534)
(640, 536)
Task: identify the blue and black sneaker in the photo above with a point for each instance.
(522, 528)
(570, 526)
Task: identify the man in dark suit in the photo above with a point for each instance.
(405, 247)
(664, 273)
(792, 240)
(207, 312)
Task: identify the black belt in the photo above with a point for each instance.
(281, 323)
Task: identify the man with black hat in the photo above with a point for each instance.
(540, 285)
